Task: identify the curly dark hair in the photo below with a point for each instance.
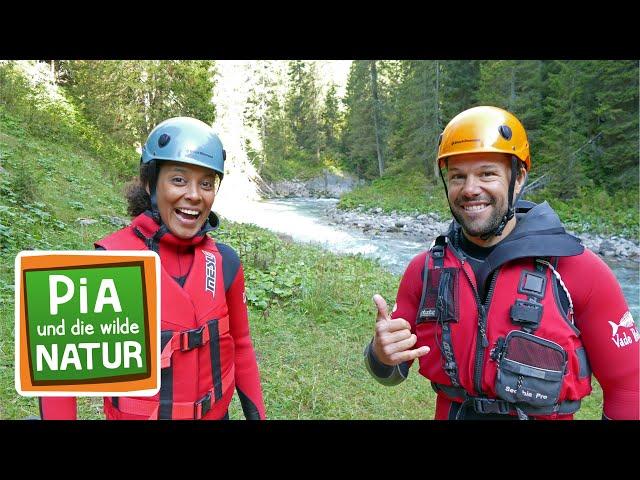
(137, 197)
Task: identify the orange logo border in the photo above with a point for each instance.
(39, 260)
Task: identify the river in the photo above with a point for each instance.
(305, 220)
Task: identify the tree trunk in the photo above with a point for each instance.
(263, 131)
(436, 174)
(374, 92)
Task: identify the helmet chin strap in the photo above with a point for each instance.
(511, 205)
(153, 183)
(446, 191)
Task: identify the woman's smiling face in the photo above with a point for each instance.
(185, 195)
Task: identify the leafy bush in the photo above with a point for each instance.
(594, 210)
(269, 276)
(25, 184)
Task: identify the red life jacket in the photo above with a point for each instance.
(517, 352)
(197, 376)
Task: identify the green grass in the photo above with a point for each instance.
(290, 170)
(44, 189)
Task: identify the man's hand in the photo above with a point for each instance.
(393, 339)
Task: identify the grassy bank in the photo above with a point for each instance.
(591, 211)
(45, 189)
(298, 166)
(403, 193)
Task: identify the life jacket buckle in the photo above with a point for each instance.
(191, 339)
(526, 313)
(490, 405)
(450, 366)
(202, 406)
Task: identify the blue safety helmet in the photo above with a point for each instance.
(186, 140)
(181, 139)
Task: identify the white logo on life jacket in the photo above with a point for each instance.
(625, 322)
(210, 269)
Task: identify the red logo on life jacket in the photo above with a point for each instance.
(210, 269)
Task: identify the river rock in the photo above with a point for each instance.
(328, 185)
(427, 226)
(85, 222)
(115, 221)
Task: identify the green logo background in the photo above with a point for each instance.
(129, 285)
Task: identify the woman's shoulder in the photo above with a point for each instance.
(115, 240)
(227, 252)
(231, 263)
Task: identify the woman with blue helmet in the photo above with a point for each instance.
(207, 351)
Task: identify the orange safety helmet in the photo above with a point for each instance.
(484, 129)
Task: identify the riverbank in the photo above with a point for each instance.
(426, 227)
(380, 208)
(327, 185)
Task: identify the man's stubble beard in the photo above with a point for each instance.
(487, 227)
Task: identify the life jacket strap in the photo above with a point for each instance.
(495, 405)
(562, 284)
(437, 251)
(189, 339)
(179, 410)
(527, 314)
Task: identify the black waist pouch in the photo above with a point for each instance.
(530, 370)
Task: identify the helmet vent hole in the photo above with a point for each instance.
(505, 131)
(163, 140)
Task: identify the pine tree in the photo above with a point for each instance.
(616, 168)
(460, 84)
(359, 136)
(277, 140)
(263, 112)
(302, 107)
(516, 86)
(331, 119)
(417, 118)
(377, 122)
(570, 127)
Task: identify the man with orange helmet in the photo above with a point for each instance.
(507, 313)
